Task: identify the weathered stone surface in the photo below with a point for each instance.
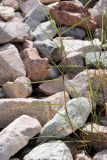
(42, 109)
(20, 88)
(52, 87)
(37, 15)
(2, 95)
(11, 64)
(70, 14)
(17, 18)
(49, 49)
(99, 33)
(27, 5)
(45, 31)
(56, 150)
(64, 123)
(53, 72)
(48, 1)
(14, 32)
(15, 136)
(82, 156)
(6, 13)
(27, 44)
(80, 85)
(36, 67)
(96, 135)
(102, 155)
(77, 33)
(11, 3)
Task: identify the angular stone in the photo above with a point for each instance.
(20, 88)
(45, 31)
(56, 150)
(66, 122)
(37, 15)
(15, 136)
(70, 14)
(36, 67)
(96, 135)
(11, 64)
(49, 49)
(80, 85)
(14, 32)
(11, 3)
(102, 155)
(52, 87)
(6, 13)
(77, 33)
(53, 72)
(42, 109)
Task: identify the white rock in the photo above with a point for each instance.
(6, 13)
(20, 88)
(11, 64)
(15, 136)
(55, 150)
(11, 3)
(102, 155)
(64, 123)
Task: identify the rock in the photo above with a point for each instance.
(96, 135)
(11, 63)
(15, 136)
(80, 85)
(82, 156)
(27, 44)
(37, 15)
(17, 18)
(99, 33)
(36, 67)
(6, 13)
(14, 32)
(52, 87)
(49, 49)
(96, 59)
(53, 72)
(89, 3)
(102, 155)
(11, 3)
(2, 95)
(45, 31)
(48, 1)
(99, 11)
(65, 123)
(56, 150)
(27, 5)
(77, 33)
(20, 88)
(42, 109)
(83, 46)
(70, 15)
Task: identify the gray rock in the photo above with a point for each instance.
(15, 136)
(56, 150)
(42, 109)
(6, 13)
(102, 155)
(2, 95)
(99, 33)
(11, 64)
(49, 49)
(80, 85)
(37, 15)
(77, 33)
(14, 32)
(65, 123)
(20, 88)
(53, 72)
(45, 31)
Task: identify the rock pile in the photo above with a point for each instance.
(53, 80)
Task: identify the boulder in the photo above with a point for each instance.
(15, 136)
(20, 88)
(11, 3)
(49, 49)
(68, 119)
(81, 83)
(45, 30)
(42, 109)
(36, 67)
(56, 150)
(14, 32)
(11, 63)
(102, 155)
(70, 14)
(96, 135)
(6, 13)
